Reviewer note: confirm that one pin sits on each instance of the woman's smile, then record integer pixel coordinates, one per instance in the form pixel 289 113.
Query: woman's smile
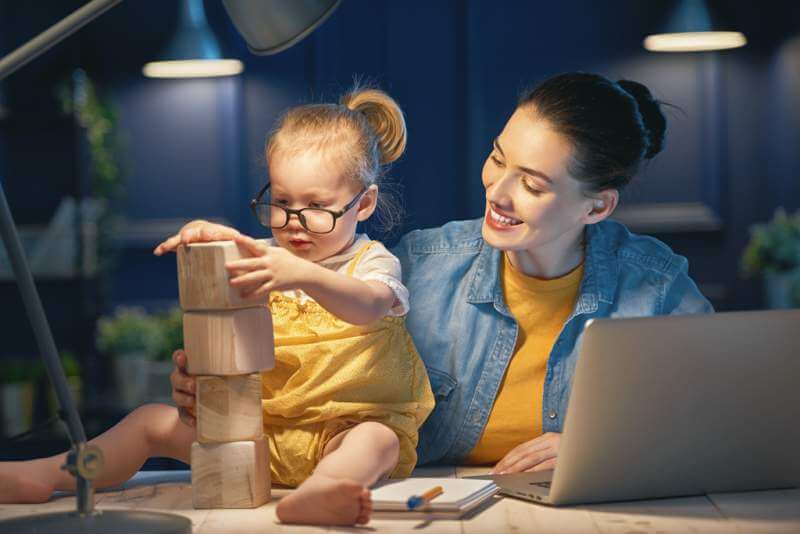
pixel 498 220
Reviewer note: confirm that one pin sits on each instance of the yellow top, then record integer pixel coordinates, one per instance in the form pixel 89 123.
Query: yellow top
pixel 329 376
pixel 541 307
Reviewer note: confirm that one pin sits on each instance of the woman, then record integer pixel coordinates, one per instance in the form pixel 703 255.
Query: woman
pixel 498 304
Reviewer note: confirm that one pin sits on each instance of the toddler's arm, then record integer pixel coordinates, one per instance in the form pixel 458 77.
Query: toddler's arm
pixel 274 269
pixel 353 300
pixel 196 231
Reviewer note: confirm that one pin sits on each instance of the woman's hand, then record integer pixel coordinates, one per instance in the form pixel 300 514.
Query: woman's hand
pixel 183 388
pixel 270 269
pixel 534 455
pixel 198 231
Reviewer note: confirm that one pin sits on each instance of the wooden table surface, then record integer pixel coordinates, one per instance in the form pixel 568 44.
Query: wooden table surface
pixel 754 512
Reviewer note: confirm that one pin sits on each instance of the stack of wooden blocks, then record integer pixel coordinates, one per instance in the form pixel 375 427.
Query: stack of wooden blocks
pixel 228 342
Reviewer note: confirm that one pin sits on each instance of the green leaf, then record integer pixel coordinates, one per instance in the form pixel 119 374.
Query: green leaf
pixel 774 247
pixel 171 323
pixel 129 330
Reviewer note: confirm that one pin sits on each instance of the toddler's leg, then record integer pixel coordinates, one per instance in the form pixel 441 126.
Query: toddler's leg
pixel 151 430
pixel 337 493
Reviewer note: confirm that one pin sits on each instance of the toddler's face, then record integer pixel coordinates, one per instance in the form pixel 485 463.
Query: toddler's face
pixel 310 180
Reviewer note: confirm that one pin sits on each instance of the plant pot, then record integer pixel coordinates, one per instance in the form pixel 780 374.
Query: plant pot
pixel 16 407
pixel 130 373
pixel 778 290
pixel 159 388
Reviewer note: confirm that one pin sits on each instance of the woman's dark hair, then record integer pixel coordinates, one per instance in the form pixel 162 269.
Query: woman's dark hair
pixel 612 126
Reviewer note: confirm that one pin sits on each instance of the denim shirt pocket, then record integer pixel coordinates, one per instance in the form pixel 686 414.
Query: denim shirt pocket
pixel 442 384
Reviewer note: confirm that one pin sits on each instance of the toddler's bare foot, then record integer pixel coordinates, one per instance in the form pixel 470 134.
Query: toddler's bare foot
pixel 18 487
pixel 326 501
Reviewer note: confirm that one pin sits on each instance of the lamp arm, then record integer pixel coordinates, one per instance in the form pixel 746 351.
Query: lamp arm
pixel 53 35
pixel 84 461
pixel 35 311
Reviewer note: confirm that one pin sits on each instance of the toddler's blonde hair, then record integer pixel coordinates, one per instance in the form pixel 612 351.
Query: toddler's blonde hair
pixel 364 133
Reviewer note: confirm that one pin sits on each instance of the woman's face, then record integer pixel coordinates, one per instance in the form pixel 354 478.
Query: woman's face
pixel 309 180
pixel 532 202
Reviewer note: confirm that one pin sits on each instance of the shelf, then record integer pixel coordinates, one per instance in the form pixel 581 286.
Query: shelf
pixel 53 250
pixel 45 168
pixel 27 121
pixel 8 278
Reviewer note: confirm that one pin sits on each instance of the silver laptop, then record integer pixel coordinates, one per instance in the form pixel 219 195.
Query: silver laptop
pixel 677 405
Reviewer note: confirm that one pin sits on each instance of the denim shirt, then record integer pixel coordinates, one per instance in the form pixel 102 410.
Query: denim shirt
pixel 466 334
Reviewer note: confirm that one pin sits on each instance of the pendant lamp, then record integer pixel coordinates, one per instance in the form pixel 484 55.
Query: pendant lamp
pixel 194 52
pixel 693 27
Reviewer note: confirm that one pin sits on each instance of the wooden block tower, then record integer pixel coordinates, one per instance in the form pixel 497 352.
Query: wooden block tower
pixel 228 342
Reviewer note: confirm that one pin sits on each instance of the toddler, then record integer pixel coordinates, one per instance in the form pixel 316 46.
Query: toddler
pixel 349 391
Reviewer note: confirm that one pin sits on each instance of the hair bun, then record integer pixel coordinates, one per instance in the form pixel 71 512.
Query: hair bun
pixel 384 116
pixel 653 118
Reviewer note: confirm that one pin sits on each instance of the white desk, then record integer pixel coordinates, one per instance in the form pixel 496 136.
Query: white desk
pixel 754 512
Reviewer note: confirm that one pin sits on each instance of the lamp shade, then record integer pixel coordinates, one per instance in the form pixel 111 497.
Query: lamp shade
pixel 194 52
pixel 271 26
pixel 693 27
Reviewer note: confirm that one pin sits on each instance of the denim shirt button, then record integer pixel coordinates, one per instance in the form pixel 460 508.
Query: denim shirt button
pixel 552 414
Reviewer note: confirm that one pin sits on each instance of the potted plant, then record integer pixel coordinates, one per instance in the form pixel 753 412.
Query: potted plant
pixel 17 384
pixel 774 253
pixel 158 386
pixel 133 338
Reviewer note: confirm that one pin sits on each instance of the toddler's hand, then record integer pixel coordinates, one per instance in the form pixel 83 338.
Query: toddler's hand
pixel 183 388
pixel 270 269
pixel 198 231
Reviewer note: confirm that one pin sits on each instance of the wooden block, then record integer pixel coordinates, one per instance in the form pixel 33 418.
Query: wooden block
pixel 228 408
pixel 230 475
pixel 232 342
pixel 203 280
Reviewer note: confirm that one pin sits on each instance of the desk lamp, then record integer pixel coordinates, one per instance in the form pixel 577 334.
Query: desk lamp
pixel 268 26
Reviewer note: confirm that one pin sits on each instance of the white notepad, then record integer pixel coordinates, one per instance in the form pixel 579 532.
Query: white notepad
pixel 460 495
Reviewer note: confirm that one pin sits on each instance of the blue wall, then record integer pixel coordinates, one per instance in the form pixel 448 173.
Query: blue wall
pixel 194 148
pixel 457 68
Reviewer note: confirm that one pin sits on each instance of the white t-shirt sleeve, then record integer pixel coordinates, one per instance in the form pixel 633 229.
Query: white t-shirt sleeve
pixel 380 265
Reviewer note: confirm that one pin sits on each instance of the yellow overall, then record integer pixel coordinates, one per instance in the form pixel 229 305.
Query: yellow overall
pixel 329 376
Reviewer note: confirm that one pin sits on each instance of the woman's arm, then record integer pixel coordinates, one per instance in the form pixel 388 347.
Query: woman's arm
pixel 682 296
pixel 183 388
pixel 274 269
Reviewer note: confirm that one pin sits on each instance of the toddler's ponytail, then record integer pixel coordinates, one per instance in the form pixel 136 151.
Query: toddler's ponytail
pixel 384 117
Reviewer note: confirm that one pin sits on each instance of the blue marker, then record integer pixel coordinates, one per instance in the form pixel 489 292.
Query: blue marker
pixel 415 501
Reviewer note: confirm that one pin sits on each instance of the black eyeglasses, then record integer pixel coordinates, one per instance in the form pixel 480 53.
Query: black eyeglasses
pixel 315 220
